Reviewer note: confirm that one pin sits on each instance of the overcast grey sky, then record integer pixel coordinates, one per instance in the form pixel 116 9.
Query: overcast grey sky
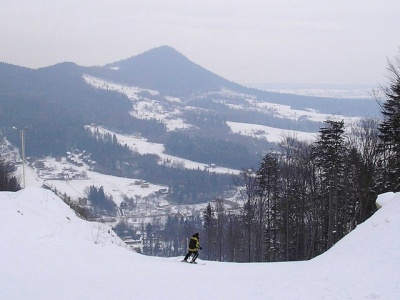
pixel 246 41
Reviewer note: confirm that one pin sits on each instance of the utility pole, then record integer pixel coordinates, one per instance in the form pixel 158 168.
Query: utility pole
pixel 22 135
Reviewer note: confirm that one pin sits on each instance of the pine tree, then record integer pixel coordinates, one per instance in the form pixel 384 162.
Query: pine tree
pixel 220 225
pixel 268 178
pixel 390 129
pixel 329 156
pixel 249 193
pixel 368 175
pixel 209 229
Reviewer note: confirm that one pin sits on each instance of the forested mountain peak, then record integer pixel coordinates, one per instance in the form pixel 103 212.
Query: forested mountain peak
pixel 155 55
pixel 166 70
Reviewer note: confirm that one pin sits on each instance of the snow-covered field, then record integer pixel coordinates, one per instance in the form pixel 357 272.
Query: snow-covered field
pixel 47 252
pixel 273 135
pixel 143 107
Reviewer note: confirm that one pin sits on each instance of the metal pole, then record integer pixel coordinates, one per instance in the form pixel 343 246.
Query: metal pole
pixel 23 154
pixel 22 135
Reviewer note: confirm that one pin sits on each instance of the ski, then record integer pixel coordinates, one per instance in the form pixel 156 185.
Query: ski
pixel 199 263
pixel 194 263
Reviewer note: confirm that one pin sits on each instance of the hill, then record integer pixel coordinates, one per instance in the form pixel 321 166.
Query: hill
pixel 166 70
pixel 49 253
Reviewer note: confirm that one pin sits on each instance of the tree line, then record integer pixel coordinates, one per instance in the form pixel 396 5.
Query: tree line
pixel 302 200
pixel 306 196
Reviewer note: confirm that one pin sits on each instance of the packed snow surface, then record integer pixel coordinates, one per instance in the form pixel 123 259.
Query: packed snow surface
pixel 47 252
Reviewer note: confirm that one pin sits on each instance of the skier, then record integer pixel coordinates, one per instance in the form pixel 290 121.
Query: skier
pixel 194 246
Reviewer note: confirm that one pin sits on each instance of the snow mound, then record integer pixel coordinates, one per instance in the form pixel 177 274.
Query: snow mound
pixel 39 215
pixel 386 199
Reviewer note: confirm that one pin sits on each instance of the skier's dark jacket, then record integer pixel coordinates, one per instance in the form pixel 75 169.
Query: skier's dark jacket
pixel 194 243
